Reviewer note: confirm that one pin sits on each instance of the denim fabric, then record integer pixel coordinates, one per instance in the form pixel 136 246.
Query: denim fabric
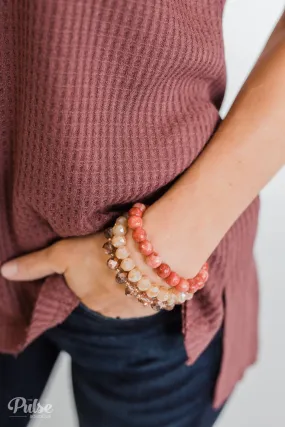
pixel 125 372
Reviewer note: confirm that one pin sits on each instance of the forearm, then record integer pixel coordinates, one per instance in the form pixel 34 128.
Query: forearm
pixel 242 157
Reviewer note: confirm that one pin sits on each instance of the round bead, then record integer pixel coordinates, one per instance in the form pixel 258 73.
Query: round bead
pixel 121 278
pixel 141 206
pixel 145 247
pixel 191 286
pixel 195 284
pixel 122 252
pixel 163 294
pixel 112 263
pixel 163 270
pixel 134 275
pixel 153 291
pixel 180 297
pixel 171 299
pixel 127 264
pixel 173 279
pixel 108 248
pixel 189 296
pixel 108 232
pixel 144 284
pixel 122 220
pixel 139 234
pixel 134 222
pixel 119 230
pixel 153 260
pixel 203 275
pixel 183 286
pixel 118 241
pixel 135 211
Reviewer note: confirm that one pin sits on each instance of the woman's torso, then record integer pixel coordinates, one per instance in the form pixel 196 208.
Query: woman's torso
pixel 104 103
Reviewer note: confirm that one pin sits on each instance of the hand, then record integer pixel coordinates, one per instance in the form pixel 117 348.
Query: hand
pixel 83 263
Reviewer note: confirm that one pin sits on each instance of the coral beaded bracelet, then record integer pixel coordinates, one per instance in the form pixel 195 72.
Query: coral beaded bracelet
pixel 149 294
pixel 176 289
pixel 152 258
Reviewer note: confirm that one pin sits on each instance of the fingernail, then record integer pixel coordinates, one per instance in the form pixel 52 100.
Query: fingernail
pixel 9 270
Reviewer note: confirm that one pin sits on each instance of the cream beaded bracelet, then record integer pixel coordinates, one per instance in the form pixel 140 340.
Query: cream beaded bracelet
pixel 149 294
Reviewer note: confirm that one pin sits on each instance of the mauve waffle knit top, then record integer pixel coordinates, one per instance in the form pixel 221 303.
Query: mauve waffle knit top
pixel 104 103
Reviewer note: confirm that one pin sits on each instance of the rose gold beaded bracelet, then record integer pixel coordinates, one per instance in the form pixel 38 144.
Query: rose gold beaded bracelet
pixel 149 294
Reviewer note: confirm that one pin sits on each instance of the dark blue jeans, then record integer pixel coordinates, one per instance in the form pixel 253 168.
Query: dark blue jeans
pixel 125 372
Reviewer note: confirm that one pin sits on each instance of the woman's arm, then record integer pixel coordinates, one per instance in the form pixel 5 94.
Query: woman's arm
pixel 241 158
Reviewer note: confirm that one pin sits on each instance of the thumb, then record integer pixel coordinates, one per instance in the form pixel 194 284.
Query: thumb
pixel 35 265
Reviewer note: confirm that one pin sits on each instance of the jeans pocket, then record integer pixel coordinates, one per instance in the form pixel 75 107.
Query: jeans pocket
pixel 132 321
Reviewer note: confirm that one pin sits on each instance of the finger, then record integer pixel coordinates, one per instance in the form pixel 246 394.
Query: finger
pixel 33 266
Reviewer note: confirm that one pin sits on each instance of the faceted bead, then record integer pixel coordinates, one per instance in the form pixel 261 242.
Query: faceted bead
pixel 122 220
pixel 183 286
pixel 112 263
pixel 145 247
pixel 144 284
pixel 139 234
pixel 134 275
pixel 163 270
pixel 141 206
pixel 121 278
pixel 153 291
pixel 108 248
pixel 160 304
pixel 173 279
pixel 136 292
pixel 135 211
pixel 144 299
pixel 131 290
pixel 153 260
pixel 134 222
pixel 119 230
pixel 118 241
pixel 162 294
pixel 128 290
pixel 127 264
pixel 122 252
pixel 108 232
pixel 155 305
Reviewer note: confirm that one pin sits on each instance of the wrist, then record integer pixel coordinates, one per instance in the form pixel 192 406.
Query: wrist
pixel 139 260
pixel 181 245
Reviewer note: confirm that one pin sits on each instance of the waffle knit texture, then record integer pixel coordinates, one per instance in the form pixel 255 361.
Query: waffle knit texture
pixel 104 103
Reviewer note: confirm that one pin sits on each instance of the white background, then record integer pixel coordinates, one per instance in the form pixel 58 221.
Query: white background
pixel 259 399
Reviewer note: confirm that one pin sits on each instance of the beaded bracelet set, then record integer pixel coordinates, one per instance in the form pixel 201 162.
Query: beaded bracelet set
pixel 176 290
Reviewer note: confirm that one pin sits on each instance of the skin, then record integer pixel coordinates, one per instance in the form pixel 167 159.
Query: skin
pixel 244 154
